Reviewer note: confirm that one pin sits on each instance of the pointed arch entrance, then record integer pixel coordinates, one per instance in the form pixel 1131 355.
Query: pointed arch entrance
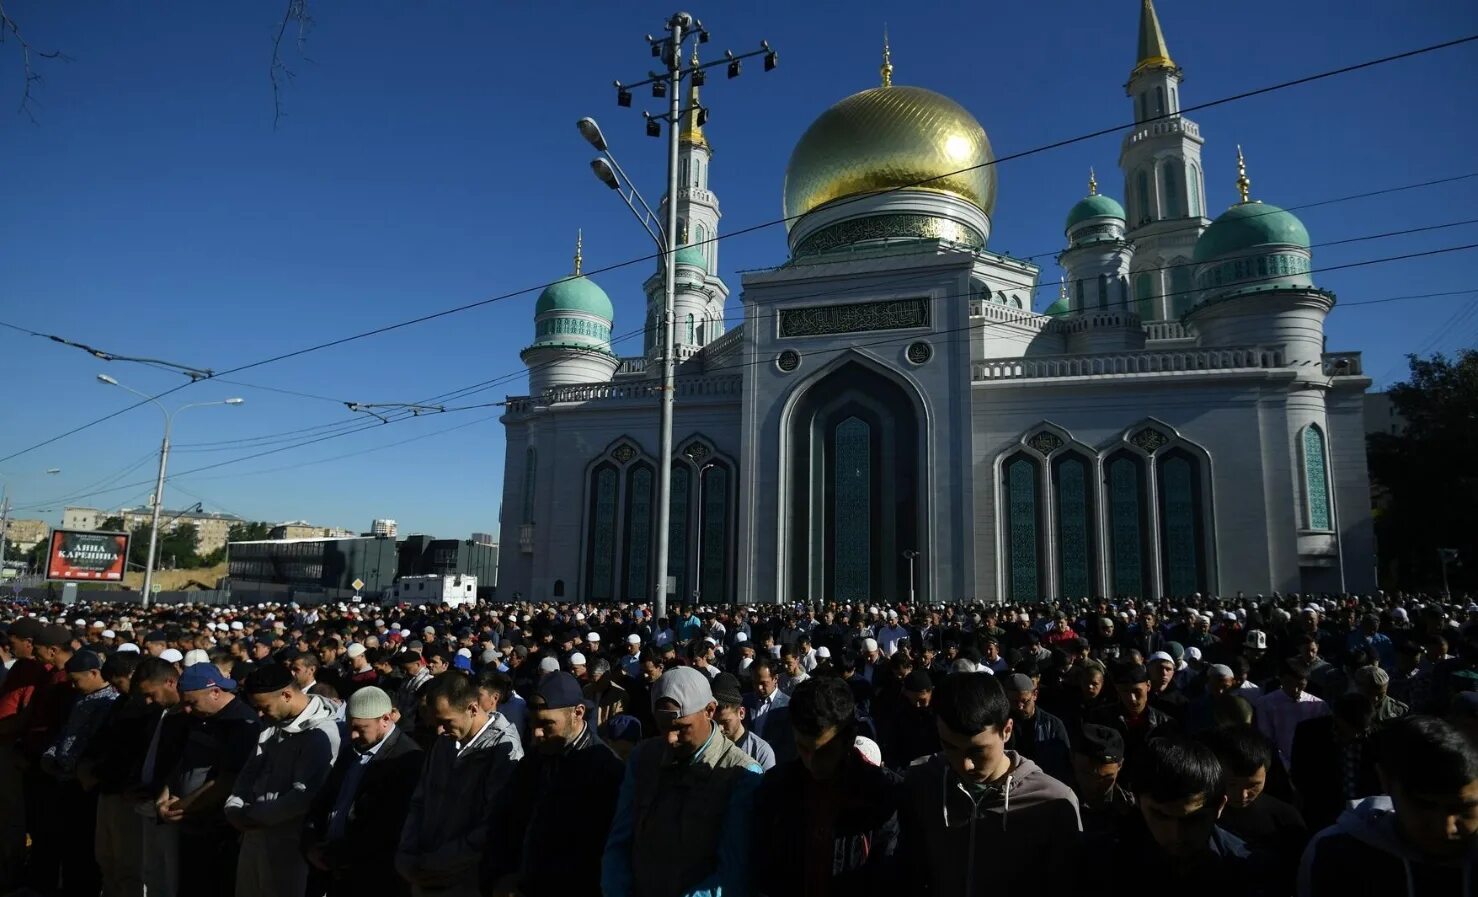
pixel 856 487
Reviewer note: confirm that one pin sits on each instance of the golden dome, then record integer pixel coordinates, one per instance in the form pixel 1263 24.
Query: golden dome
pixel 888 138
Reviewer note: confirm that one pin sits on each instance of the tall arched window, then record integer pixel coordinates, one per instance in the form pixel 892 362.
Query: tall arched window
pixel 1128 519
pixel 677 526
pixel 1159 101
pixel 1142 187
pixel 638 542
pixel 1077 554
pixel 713 537
pixel 600 563
pixel 1316 479
pixel 530 471
pixel 1171 190
pixel 1182 294
pixel 1144 297
pixel 1020 479
pixel 1182 522
pixel 692 331
pixel 1103 291
pixel 1198 206
pixel 1078 289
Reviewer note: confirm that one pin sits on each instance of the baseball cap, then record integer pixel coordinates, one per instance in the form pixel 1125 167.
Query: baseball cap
pixel 557 691
pixel 369 702
pixel 686 687
pixel 205 675
pixel 869 750
pixel 548 665
pixel 1101 743
pixel 726 689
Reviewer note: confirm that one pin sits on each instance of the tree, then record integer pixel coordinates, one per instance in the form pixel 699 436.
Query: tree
pixel 177 547
pixel 1428 475
pixel 112 525
pixel 249 532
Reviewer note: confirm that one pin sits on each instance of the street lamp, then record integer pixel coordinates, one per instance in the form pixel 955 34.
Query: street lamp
pixel 912 556
pixel 668 84
pixel 158 499
pixel 5 513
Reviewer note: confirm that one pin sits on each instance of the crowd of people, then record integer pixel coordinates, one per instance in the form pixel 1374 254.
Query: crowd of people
pixel 1252 745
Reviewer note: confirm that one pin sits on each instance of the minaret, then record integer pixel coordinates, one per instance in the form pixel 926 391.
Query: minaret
pixel 572 332
pixel 1164 188
pixel 1097 261
pixel 700 294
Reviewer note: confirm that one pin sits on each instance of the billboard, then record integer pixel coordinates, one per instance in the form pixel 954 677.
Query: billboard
pixel 85 556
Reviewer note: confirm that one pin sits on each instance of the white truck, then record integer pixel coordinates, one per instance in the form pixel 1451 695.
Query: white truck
pixel 454 590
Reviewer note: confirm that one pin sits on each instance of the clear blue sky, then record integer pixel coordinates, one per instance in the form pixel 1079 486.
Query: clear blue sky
pixel 427 158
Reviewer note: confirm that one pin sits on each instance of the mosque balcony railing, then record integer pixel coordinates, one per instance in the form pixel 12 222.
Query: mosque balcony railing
pixel 724 346
pixel 1173 125
pixel 1000 312
pixel 635 364
pixel 1163 330
pixel 1098 320
pixel 1231 358
pixel 696 387
pixel 1343 364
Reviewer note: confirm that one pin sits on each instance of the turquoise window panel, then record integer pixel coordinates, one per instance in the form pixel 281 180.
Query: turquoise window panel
pixel 1316 479
pixel 853 510
pixel 1075 560
pixel 1021 523
pixel 677 526
pixel 715 536
pixel 638 532
pixel 1179 526
pixel 603 534
pixel 1125 517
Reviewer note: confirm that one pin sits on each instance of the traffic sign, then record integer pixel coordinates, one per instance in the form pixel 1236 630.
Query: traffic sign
pixel 157 587
pixel 357 584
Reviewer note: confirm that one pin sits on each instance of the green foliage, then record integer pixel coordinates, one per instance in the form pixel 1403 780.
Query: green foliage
pixel 1427 474
pixel 249 532
pixel 111 525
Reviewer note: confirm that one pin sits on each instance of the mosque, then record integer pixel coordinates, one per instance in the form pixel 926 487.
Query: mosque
pixel 892 417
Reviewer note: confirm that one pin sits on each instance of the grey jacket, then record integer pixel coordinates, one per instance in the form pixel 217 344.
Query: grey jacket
pixel 292 761
pixel 447 825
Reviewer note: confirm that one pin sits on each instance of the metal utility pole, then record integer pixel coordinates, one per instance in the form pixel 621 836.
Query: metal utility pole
pixel 158 498
pixel 680 26
pixel 5 516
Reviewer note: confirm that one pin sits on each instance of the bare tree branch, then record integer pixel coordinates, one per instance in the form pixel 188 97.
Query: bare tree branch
pixel 9 30
pixel 280 75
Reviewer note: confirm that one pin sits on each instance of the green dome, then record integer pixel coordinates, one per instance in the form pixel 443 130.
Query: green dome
pixel 692 255
pixel 1248 225
pixel 1095 206
pixel 1058 308
pixel 579 294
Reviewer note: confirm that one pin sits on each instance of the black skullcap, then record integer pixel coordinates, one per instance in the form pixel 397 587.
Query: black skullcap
pixel 83 661
pixel 726 689
pixel 267 679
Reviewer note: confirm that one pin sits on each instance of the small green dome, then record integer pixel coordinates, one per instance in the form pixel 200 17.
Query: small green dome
pixel 1058 308
pixel 1248 225
pixel 1095 206
pixel 692 255
pixel 579 294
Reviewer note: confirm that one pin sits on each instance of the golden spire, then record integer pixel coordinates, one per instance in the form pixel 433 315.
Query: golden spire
pixel 1092 182
pixel 579 250
pixel 1153 52
pixel 1244 184
pixel 692 132
pixel 887 69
